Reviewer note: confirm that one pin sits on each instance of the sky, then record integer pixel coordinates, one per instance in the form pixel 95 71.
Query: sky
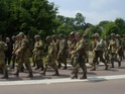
pixel 93 10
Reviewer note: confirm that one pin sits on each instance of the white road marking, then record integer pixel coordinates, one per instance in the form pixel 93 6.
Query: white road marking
pixel 54 81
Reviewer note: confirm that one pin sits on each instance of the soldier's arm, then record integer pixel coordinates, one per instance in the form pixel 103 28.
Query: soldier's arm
pixel 39 45
pixel 80 46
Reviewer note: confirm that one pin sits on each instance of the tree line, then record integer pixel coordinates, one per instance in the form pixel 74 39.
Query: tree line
pixel 41 17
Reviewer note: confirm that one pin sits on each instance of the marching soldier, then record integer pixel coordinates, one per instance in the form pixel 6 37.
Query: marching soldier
pixel 113 47
pixel 98 50
pixel 23 53
pixel 51 58
pixel 78 55
pixel 38 52
pixel 120 47
pixel 61 57
pixel 3 48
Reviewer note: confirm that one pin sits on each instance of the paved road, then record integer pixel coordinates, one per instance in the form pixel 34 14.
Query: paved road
pixel 93 87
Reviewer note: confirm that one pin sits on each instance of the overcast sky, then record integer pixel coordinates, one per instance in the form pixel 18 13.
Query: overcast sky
pixel 94 10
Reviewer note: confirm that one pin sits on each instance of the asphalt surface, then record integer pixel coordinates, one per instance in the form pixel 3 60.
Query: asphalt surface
pixel 94 87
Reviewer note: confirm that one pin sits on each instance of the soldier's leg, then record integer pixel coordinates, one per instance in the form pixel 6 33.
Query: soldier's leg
pixel 64 62
pixel 20 62
pixel 95 60
pixel 120 53
pixel 46 63
pixel 13 61
pixel 40 64
pixel 112 60
pixel 84 69
pixel 103 60
pixel 55 67
pixel 28 65
pixel 75 68
pixel 117 60
pixel 59 59
pixel 34 64
pixel 4 68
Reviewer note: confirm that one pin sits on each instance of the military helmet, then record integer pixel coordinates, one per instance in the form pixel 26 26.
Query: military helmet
pixel 77 34
pixel 112 34
pixel 48 38
pixel 93 35
pixel 72 33
pixel 21 34
pixel 54 36
pixel 13 37
pixel 96 34
pixel 37 36
pixel 117 35
pixel 61 35
pixel 84 35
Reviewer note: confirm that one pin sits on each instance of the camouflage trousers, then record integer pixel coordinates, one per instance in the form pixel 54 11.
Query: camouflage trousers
pixel 98 54
pixel 62 59
pixel 113 58
pixel 79 62
pixel 24 60
pixel 51 61
pixel 3 66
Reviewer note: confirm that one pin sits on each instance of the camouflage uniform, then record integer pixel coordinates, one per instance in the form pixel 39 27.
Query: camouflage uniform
pixel 61 57
pixel 120 47
pixel 113 47
pixel 78 55
pixel 16 45
pixel 98 50
pixel 71 45
pixel 51 58
pixel 38 52
pixel 23 53
pixel 3 47
pixel 106 51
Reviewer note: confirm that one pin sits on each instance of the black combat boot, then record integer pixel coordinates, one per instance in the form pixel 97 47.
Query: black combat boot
pixel 75 76
pixel 119 63
pixel 112 64
pixel 84 76
pixel 59 66
pixel 65 67
pixel 106 67
pixel 30 74
pixel 44 71
pixel 93 69
pixel 56 73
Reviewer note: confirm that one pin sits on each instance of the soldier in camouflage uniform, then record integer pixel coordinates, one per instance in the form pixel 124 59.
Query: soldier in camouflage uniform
pixel 98 50
pixel 38 52
pixel 120 47
pixel 51 58
pixel 123 41
pixel 113 47
pixel 78 55
pixel 23 53
pixel 71 45
pixel 106 51
pixel 15 40
pixel 61 57
pixel 3 48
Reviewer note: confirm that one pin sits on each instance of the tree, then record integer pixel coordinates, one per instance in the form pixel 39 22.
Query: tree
pixel 121 25
pixel 34 16
pixel 79 21
pixel 110 28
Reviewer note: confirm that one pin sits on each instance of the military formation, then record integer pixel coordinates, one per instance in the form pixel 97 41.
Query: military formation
pixel 56 51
